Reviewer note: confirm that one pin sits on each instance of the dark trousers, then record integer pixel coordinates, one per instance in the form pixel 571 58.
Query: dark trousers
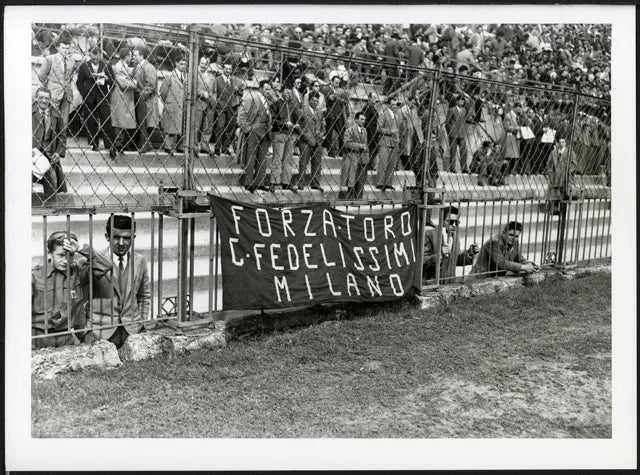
pixel 98 121
pixel 141 119
pixel 225 128
pixel 122 138
pixel 313 154
pixel 455 143
pixel 334 139
pixel 256 148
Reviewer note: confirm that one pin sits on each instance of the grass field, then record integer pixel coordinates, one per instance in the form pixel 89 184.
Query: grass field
pixel 533 362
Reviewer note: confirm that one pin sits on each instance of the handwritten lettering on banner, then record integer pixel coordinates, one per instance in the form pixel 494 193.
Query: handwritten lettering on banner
pixel 310 254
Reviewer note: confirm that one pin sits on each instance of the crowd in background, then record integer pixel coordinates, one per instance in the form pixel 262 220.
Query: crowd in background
pixel 478 127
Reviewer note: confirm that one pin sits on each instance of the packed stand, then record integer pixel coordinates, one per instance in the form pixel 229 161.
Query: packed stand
pixel 276 96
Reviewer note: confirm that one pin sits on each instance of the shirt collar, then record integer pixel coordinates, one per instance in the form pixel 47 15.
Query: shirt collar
pixel 116 260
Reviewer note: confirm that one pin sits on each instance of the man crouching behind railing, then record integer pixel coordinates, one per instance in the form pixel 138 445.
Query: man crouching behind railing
pixel 124 293
pixel 59 291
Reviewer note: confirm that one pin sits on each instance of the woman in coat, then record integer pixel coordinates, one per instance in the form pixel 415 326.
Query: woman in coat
pixel 172 93
pixel 511 145
pixel 123 110
pixel 561 167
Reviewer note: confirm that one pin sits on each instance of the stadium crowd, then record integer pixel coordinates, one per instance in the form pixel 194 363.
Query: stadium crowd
pixel 305 101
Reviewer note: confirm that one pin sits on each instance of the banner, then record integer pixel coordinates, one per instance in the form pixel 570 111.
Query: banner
pixel 310 254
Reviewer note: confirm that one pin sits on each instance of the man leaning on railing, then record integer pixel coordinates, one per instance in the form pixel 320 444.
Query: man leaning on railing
pixel 501 254
pixel 58 294
pixel 122 293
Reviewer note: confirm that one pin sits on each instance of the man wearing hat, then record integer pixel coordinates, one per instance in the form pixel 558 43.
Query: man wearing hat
pixel 59 290
pixel 122 298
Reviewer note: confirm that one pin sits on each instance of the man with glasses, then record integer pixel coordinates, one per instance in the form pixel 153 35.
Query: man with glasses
pixel 501 254
pixel 450 254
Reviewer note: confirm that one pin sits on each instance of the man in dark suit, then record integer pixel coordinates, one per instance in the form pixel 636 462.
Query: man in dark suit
pixel 311 136
pixel 457 130
pixel 254 119
pixel 226 91
pixel 48 135
pixel 336 116
pixel 94 85
pixel 371 124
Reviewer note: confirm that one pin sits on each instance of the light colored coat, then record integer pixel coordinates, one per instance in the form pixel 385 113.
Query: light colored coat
pixel 172 93
pixel 131 308
pixel 511 142
pixel 205 83
pixel 52 75
pixel 253 116
pixel 123 111
pixel 147 77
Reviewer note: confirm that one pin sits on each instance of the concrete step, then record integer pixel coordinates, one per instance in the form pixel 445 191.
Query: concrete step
pixel 141 198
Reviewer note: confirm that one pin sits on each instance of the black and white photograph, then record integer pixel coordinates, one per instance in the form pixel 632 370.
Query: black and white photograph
pixel 320 237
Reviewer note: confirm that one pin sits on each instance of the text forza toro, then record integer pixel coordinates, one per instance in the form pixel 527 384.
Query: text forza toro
pixel 287 217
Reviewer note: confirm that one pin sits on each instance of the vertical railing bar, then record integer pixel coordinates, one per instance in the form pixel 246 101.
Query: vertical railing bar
pixel 131 262
pixel 586 230
pixel 111 220
pixel 593 226
pixel 192 228
pixel 537 226
pixel 217 260
pixel 160 256
pixel 606 252
pixel 179 273
pixel 466 232
pixel 579 210
pixel 70 256
pixel 46 274
pixel 601 233
pixel 210 279
pixel 152 259
pixel 90 318
pixel 423 214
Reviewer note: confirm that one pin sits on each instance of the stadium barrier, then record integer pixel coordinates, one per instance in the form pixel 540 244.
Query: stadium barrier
pixel 170 136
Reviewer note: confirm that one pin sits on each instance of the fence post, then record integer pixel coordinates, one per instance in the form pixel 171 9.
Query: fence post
pixel 192 85
pixel 422 221
pixel 566 191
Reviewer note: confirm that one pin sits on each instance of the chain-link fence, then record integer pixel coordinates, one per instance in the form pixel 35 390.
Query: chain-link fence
pixel 147 120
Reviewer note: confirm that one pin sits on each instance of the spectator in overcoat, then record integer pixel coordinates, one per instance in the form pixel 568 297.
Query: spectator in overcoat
pixel 146 97
pixel 204 109
pixel 94 84
pixel 389 144
pixel 123 111
pixel 172 93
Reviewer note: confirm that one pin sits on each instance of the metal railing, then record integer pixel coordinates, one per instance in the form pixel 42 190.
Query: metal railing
pixel 490 149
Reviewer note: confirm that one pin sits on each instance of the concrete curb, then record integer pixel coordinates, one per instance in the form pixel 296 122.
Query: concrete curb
pixel 48 363
pixel 455 292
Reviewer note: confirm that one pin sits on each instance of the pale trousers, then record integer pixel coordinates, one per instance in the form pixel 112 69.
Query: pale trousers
pixel 282 162
pixel 387 162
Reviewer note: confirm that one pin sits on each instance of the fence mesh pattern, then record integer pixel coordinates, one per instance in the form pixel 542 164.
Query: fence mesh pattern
pixel 123 113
